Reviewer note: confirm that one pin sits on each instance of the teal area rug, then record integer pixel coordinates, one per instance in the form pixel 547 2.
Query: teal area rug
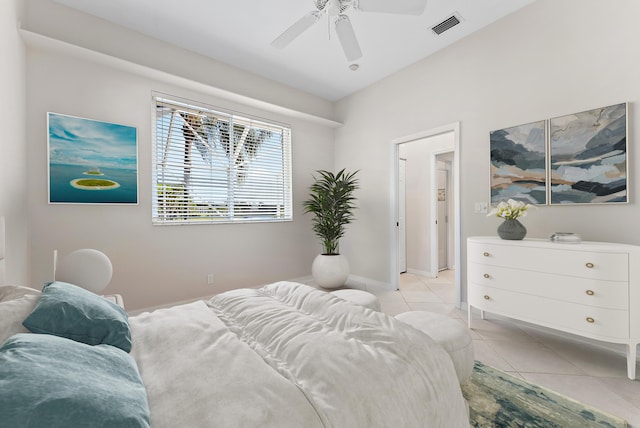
pixel 497 399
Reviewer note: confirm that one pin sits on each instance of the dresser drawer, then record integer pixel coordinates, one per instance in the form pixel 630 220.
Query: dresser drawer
pixel 563 261
pixel 580 319
pixel 584 291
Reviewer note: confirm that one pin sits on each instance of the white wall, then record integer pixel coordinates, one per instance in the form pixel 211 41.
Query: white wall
pixel 156 265
pixel 548 59
pixel 59 22
pixel 13 162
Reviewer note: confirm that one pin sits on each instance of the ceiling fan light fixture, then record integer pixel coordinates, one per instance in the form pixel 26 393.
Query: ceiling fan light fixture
pixel 320 4
pixel 299 27
pixel 347 38
pixel 343 28
pixel 335 8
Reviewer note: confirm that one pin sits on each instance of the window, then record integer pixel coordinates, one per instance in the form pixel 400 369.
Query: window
pixel 215 167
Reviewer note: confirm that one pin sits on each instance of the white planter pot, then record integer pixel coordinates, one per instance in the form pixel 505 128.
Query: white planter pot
pixel 330 271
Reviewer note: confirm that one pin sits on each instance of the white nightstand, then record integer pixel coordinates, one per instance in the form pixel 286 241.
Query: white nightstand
pixel 115 298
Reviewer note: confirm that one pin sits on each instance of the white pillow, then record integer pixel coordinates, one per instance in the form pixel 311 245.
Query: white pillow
pixel 10 292
pixel 16 303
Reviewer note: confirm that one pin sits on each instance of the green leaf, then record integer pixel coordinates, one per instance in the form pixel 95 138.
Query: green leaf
pixel 332 203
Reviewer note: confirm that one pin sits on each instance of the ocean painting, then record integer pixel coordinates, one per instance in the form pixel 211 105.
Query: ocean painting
pixel 589 156
pixel 518 164
pixel 91 162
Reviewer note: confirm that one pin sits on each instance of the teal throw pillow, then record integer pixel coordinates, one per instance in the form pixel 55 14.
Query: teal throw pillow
pixel 52 382
pixel 69 311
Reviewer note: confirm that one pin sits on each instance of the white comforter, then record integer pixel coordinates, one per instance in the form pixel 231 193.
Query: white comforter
pixel 288 355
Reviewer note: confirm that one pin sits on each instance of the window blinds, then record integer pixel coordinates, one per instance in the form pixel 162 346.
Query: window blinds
pixel 217 167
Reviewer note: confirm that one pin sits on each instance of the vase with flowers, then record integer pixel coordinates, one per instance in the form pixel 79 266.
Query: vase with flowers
pixel 511 211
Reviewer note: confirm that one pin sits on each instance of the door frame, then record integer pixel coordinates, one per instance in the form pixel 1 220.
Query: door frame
pixel 435 234
pixel 455 128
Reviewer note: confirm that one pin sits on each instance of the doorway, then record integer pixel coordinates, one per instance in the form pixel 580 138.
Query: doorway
pixel 442 242
pixel 437 154
pixel 402 209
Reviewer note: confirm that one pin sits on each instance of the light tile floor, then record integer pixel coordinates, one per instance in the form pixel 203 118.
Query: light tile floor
pixel 582 371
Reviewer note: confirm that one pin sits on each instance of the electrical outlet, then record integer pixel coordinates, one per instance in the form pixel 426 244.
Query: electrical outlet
pixel 210 279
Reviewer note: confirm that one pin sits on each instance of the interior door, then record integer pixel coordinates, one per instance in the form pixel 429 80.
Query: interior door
pixel 443 219
pixel 402 208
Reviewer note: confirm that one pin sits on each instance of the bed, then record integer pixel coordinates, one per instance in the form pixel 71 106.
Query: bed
pixel 283 355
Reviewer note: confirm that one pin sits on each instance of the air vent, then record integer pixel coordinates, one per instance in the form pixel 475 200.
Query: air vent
pixel 447 24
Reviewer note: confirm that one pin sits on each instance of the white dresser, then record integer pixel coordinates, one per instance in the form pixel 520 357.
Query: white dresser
pixel 591 289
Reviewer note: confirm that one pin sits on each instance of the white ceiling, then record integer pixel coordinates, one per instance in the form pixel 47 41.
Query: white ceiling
pixel 240 32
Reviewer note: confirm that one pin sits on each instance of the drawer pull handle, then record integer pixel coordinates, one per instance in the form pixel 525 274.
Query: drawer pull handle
pixel 589 265
pixel 486 297
pixel 590 292
pixel 486 275
pixel 590 320
pixel 486 254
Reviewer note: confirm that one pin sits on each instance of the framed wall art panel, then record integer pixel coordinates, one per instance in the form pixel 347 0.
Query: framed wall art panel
pixel 588 156
pixel 518 164
pixel 91 162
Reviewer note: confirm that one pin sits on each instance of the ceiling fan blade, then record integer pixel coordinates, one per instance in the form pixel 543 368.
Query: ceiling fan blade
pixel 402 7
pixel 299 27
pixel 347 38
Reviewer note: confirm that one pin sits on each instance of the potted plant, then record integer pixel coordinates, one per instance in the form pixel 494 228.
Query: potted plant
pixel 331 202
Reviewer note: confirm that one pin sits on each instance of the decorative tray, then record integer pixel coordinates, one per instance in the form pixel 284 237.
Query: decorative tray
pixel 565 237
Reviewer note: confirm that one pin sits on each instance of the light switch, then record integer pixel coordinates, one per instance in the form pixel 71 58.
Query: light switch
pixel 481 207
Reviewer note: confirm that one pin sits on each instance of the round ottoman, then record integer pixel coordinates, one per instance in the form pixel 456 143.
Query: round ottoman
pixel 449 333
pixel 359 297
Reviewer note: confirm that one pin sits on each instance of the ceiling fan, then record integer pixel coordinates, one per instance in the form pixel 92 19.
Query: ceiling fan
pixel 335 10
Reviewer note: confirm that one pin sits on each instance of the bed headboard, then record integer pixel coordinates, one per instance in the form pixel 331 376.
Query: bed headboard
pixel 2 274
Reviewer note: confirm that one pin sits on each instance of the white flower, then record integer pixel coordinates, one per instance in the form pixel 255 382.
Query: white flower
pixel 510 210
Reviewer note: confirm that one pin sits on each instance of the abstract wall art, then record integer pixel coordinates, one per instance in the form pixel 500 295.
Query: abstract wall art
pixel 518 164
pixel 579 158
pixel 588 156
pixel 91 162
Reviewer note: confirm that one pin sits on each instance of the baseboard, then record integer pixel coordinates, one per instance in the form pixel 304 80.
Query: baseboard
pixel 354 281
pixel 421 273
pixel 364 282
